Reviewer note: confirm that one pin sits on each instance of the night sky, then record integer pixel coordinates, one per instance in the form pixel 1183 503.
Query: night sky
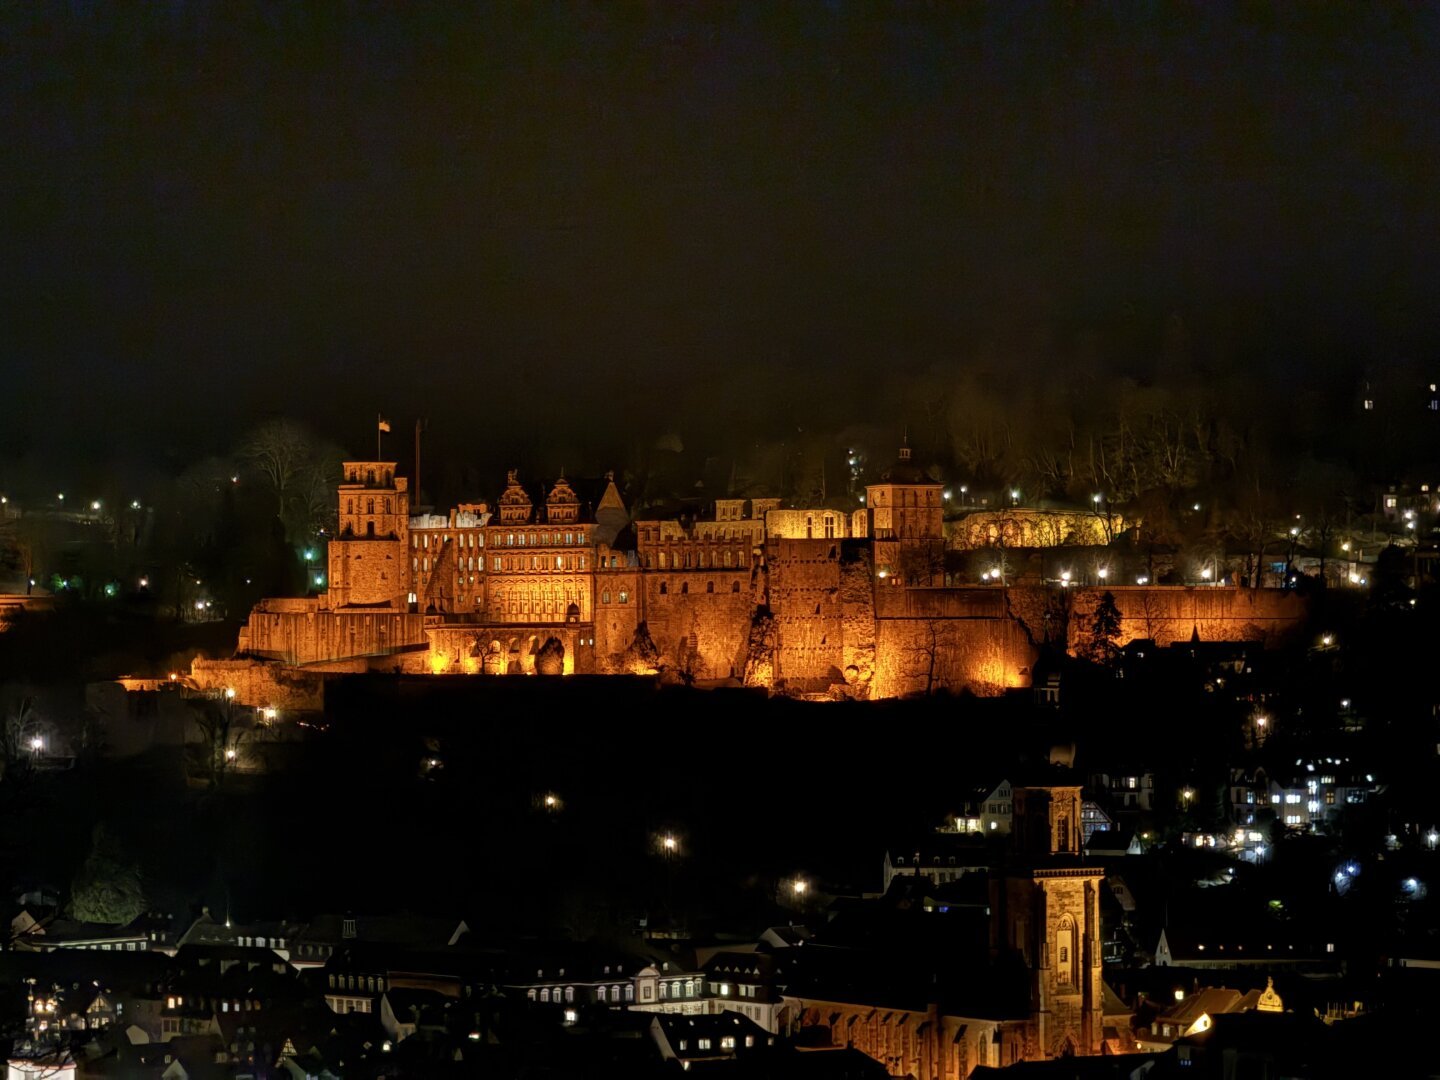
pixel 579 225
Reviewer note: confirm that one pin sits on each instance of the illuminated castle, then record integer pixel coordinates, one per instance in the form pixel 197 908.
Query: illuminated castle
pixel 815 601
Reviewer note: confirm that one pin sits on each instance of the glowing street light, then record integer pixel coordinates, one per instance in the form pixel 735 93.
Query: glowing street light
pixel 1095 499
pixel 1015 495
pixel 1205 573
pixel 230 693
pixel 668 843
pixel 37 744
pixel 1432 838
pixel 230 754
pixel 799 886
pixel 1103 572
pixel 1142 579
pixel 1064 577
pixel 95 504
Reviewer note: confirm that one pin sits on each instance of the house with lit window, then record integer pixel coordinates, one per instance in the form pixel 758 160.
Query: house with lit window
pixel 574 977
pixel 1193 1013
pixel 694 1039
pixel 1310 797
pixel 943 857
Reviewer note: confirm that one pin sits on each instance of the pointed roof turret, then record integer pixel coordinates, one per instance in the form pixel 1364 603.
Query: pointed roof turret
pixel 610 515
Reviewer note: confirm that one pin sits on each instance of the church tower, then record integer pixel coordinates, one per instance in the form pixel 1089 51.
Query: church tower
pixel 1046 912
pixel 368 558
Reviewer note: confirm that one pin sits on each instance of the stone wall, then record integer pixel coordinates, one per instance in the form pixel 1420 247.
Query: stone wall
pixel 495 649
pixel 984 656
pixel 1019 527
pixel 701 631
pixel 1174 613
pixel 368 571
pixel 804 591
pixel 302 632
pixel 260 684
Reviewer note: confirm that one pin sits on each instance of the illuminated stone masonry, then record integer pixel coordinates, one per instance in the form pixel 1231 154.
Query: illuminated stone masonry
pixel 821 601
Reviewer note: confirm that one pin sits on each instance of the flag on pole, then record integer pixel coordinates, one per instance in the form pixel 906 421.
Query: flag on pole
pixel 384 425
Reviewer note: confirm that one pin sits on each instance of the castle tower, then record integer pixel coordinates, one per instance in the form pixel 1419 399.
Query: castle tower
pixel 907 524
pixel 515 505
pixel 1046 911
pixel 368 558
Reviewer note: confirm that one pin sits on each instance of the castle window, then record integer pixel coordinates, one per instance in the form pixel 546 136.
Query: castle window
pixel 624 596
pixel 569 538
pixel 387 505
pixel 605 597
pixel 509 539
pixel 734 586
pixel 559 562
pixel 685 588
pixel 709 586
pixel 664 588
pixel 349 506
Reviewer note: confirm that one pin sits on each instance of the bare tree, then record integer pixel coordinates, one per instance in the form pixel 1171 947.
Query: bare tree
pixel 300 471
pixel 216 719
pixel 926 653
pixel 21 735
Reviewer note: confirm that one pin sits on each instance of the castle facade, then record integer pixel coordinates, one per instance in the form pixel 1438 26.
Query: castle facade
pixel 844 603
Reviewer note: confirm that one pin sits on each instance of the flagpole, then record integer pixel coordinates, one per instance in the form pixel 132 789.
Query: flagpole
pixel 377 436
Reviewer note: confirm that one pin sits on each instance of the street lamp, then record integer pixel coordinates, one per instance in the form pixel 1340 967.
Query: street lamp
pixel 1103 572
pixel 1015 496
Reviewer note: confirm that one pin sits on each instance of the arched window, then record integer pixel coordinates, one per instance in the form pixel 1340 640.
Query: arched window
pixel 734 586
pixel 1067 962
pixel 664 588
pixel 685 588
pixel 709 586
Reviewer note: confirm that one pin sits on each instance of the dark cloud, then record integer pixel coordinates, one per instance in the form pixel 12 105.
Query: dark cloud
pixel 552 224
